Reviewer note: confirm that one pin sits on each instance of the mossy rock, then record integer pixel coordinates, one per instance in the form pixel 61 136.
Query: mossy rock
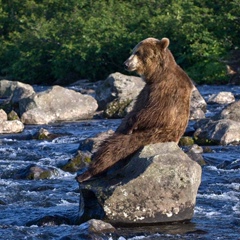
pixel 13 116
pixel 117 108
pixel 35 172
pixel 81 160
pixel 186 141
pixel 44 134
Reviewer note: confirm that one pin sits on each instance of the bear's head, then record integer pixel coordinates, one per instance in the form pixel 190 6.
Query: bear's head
pixel 149 56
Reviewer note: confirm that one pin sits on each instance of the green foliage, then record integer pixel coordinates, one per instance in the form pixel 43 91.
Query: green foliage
pixel 47 40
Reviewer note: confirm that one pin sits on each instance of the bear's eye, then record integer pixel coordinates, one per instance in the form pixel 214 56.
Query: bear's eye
pixel 137 53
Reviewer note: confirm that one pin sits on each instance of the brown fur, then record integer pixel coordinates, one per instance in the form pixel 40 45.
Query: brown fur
pixel 161 111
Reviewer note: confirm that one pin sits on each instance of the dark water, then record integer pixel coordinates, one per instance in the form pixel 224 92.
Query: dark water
pixel 217 212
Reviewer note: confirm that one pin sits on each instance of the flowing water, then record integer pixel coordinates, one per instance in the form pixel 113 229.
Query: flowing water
pixel 217 211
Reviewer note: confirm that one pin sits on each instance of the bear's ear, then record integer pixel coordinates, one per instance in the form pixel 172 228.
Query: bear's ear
pixel 164 43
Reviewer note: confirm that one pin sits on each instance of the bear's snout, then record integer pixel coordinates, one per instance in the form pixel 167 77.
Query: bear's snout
pixel 126 63
pixel 131 63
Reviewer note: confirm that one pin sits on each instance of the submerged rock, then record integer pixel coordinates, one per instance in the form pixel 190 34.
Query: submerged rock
pixel 79 161
pixel 44 134
pixel 158 184
pixel 95 226
pixel 33 172
pixel 93 230
pixel 53 220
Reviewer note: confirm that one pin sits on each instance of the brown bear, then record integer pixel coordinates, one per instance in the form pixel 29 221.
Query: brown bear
pixel 161 110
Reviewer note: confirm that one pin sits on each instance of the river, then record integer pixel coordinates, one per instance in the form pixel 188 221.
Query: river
pixel 217 211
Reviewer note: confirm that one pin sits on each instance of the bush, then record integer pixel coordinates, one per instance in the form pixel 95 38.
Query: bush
pixel 47 40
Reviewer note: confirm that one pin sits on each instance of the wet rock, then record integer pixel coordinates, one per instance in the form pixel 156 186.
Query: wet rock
pixel 81 160
pixel 53 220
pixel 86 148
pixel 35 172
pixel 232 111
pixel 210 132
pixel 56 104
pixel 195 153
pixel 117 92
pixel 44 134
pixel 198 105
pixel 93 230
pixel 14 126
pixel 222 98
pixel 157 185
pixel 98 226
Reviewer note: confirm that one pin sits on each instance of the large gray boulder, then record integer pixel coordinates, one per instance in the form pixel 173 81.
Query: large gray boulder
pixel 15 90
pixel 159 184
pixel 117 92
pixel 56 104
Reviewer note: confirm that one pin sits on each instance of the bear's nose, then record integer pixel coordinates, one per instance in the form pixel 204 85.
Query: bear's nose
pixel 126 63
